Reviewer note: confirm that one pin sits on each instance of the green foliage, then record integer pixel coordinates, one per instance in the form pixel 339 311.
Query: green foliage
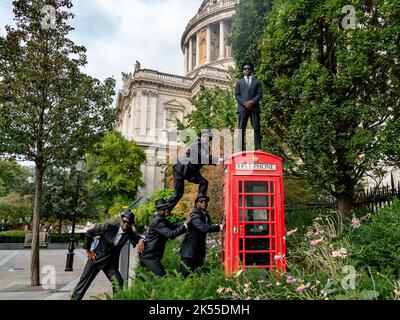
pixel 16 209
pixel 3 190
pixel 50 112
pixel 13 177
pixel 113 169
pixel 376 242
pixel 247 31
pixel 145 212
pixel 198 286
pixel 328 90
pixel 214 109
pixel 59 188
pixel 320 263
pixel 12 236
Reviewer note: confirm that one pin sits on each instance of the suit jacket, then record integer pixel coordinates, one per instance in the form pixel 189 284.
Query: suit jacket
pixel 196 156
pixel 194 244
pixel 159 231
pixel 243 94
pixel 106 251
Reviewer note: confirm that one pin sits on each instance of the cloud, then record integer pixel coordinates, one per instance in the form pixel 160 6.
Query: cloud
pixel 117 33
pixel 130 30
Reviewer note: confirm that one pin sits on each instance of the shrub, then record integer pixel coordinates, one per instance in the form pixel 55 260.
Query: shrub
pixel 12 236
pixel 198 286
pixel 376 242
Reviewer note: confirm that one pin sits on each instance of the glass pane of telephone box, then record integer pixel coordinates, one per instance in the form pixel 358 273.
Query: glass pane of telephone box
pixel 257 229
pixel 255 244
pixel 257 259
pixel 253 215
pixel 256 186
pixel 256 201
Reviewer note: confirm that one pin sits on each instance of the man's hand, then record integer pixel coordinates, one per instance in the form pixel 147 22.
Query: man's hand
pixel 249 105
pixel 140 246
pixel 189 219
pixel 91 255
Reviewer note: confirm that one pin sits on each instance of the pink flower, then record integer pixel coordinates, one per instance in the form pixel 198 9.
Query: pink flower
pixel 315 242
pixel 355 223
pixel 238 273
pixel 303 287
pixel 341 253
pixel 290 232
pixel 291 279
pixel 279 257
pixel 310 252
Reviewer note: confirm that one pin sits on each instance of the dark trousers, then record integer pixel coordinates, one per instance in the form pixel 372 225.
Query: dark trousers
pixel 179 186
pixel 90 272
pixel 154 265
pixel 255 122
pixel 188 265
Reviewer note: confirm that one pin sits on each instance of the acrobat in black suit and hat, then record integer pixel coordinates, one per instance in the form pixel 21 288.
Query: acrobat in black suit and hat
pixel 188 168
pixel 112 238
pixel 159 231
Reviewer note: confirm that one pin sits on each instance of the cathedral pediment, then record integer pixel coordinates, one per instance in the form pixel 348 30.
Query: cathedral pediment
pixel 174 104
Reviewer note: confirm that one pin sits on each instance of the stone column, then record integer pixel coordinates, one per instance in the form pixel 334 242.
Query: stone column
pixel 190 66
pixel 143 111
pixel 133 116
pixel 138 102
pixel 153 112
pixel 208 45
pixel 221 40
pixel 197 49
pixel 126 122
pixel 185 59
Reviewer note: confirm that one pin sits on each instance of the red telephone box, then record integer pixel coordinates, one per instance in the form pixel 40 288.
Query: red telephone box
pixel 254 215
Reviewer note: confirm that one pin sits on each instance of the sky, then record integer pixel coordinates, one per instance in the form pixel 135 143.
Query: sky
pixel 116 33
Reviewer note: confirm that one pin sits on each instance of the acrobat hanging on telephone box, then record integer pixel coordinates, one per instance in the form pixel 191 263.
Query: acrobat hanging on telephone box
pixel 253 210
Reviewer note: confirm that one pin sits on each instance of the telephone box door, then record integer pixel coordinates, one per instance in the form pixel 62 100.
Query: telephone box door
pixel 256 221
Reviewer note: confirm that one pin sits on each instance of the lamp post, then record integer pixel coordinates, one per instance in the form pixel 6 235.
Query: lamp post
pixel 71 247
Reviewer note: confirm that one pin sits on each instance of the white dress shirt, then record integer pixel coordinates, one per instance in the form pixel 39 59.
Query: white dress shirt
pixel 118 236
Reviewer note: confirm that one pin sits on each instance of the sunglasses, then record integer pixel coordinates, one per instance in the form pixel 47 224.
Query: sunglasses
pixel 126 221
pixel 203 201
pixel 246 68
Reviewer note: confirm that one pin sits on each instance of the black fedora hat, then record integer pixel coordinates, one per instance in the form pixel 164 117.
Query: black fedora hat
pixel 201 196
pixel 129 215
pixel 161 203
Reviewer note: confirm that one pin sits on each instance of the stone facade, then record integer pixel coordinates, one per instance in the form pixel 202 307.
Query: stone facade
pixel 150 101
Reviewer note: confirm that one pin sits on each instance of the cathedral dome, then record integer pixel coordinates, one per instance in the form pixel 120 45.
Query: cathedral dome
pixel 204 40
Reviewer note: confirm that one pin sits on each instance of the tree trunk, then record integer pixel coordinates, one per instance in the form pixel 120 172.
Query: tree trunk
pixel 345 202
pixel 60 226
pixel 35 278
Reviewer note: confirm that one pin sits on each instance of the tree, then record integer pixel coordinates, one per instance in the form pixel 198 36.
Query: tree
pixel 16 209
pixel 332 92
pixel 50 112
pixel 113 170
pixel 214 109
pixel 59 187
pixel 14 177
pixel 247 31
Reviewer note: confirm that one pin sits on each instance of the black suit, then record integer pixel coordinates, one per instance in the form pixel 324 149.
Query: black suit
pixel 193 248
pixel 159 231
pixel 244 93
pixel 188 168
pixel 107 256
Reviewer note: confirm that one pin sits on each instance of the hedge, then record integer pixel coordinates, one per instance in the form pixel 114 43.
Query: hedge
pixel 18 236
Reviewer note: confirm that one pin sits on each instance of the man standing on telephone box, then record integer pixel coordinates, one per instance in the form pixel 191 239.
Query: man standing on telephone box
pixel 248 93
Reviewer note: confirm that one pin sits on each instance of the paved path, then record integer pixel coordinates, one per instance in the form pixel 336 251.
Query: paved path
pixel 15 275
